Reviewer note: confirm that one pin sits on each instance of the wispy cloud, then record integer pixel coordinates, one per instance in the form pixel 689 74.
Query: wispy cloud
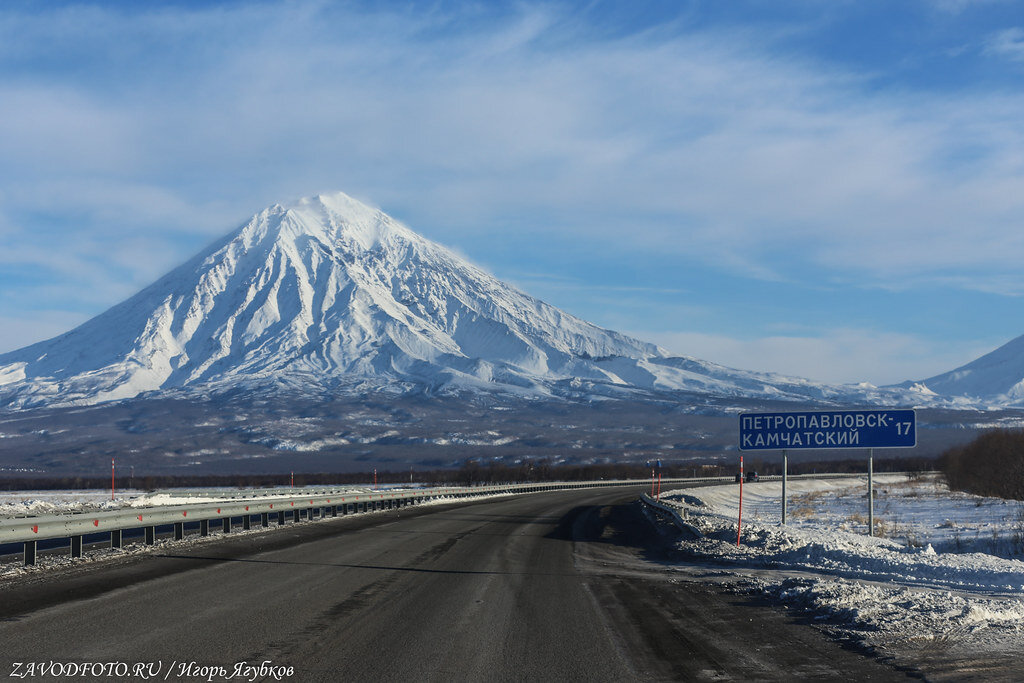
pixel 700 142
pixel 833 356
pixel 133 129
pixel 1008 43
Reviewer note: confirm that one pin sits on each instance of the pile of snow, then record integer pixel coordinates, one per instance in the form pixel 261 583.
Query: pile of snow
pixel 22 503
pixel 910 585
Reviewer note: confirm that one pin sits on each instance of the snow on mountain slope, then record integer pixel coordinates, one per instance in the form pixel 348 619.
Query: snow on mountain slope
pixel 995 378
pixel 328 292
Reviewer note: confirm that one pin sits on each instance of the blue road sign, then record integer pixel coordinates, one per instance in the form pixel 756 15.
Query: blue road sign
pixel 880 428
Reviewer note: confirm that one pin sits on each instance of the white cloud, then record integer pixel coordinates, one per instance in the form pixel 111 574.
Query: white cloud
pixel 833 356
pixel 158 129
pixel 1008 43
pixel 960 6
pixel 707 144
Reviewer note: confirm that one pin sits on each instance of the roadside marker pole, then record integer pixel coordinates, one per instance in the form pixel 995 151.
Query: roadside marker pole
pixel 871 492
pixel 111 479
pixel 739 521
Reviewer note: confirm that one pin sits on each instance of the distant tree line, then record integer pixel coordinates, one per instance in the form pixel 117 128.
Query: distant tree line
pixel 471 472
pixel 991 465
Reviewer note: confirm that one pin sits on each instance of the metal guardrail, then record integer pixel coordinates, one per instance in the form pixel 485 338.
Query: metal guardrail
pixel 671 513
pixel 29 530
pixel 74 526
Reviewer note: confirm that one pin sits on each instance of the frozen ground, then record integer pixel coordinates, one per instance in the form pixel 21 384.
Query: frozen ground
pixel 941 580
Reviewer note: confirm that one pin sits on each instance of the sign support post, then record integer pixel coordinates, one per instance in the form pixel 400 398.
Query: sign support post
pixel 829 429
pixel 739 519
pixel 871 492
pixel 785 473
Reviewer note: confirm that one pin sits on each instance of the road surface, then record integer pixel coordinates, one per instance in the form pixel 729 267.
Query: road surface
pixel 560 586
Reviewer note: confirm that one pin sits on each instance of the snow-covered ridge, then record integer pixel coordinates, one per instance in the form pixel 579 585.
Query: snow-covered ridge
pixel 997 378
pixel 326 294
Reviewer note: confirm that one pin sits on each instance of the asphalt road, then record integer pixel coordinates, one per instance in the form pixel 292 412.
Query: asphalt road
pixel 562 586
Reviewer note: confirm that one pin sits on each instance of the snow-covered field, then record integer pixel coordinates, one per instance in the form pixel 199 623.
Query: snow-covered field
pixel 18 503
pixel 49 502
pixel 943 569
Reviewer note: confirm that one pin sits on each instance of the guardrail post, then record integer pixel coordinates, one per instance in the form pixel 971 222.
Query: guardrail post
pixel 116 539
pixel 334 511
pixel 247 522
pixel 30 553
pixel 226 525
pixel 280 518
pixel 204 527
pixel 76 546
pixel 150 535
pixel 179 531
pixel 265 519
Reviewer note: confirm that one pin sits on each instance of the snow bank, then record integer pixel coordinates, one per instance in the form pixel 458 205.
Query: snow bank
pixel 897 587
pixel 19 503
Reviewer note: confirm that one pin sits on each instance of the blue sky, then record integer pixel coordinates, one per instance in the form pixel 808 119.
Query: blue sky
pixel 826 189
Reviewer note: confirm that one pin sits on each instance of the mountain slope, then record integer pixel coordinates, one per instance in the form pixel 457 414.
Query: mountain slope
pixel 995 378
pixel 328 294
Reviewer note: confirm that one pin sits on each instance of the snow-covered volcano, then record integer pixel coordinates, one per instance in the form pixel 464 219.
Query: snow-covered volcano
pixel 328 293
pixel 997 378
